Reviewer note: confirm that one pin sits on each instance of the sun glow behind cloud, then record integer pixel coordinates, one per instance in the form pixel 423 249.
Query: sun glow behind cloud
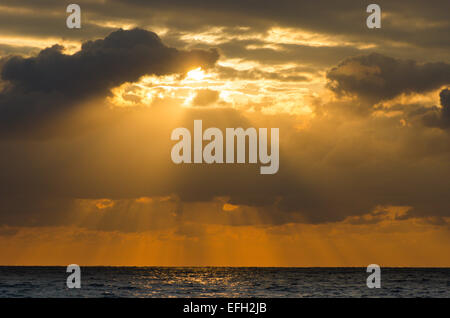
pixel 245 92
pixel 197 74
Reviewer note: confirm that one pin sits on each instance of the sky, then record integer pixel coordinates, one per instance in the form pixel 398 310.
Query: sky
pixel 86 117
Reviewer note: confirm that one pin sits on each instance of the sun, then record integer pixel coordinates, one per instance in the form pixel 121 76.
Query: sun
pixel 196 74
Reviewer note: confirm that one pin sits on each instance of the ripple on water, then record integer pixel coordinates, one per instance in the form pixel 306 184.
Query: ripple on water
pixel 223 282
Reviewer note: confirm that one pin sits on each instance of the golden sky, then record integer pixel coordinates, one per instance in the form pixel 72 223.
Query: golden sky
pixel 86 117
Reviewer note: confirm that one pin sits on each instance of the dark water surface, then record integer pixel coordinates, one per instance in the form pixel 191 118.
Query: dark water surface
pixel 223 282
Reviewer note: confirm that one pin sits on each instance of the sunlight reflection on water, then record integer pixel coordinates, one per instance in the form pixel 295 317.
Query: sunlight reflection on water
pixel 222 282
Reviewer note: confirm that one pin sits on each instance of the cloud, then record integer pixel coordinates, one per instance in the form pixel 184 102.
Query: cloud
pixel 445 103
pixel 205 97
pixel 291 74
pixel 331 168
pixel 439 117
pixel 320 17
pixel 179 18
pixel 376 77
pixel 329 171
pixel 6 50
pixel 40 87
pixel 8 231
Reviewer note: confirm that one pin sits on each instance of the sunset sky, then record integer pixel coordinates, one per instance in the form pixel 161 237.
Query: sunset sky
pixel 86 117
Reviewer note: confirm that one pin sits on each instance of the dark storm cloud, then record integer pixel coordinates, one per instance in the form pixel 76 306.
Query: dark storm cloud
pixel 419 27
pixel 377 77
pixel 47 25
pixel 439 117
pixel 339 18
pixel 445 103
pixel 46 85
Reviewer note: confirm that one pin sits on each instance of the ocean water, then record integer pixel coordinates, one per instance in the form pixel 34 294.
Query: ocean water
pixel 223 282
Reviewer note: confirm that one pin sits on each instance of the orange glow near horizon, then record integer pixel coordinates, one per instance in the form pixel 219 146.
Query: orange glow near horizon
pixel 225 246
pixel 188 244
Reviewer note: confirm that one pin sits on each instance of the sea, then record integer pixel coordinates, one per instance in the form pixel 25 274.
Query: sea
pixel 28 281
